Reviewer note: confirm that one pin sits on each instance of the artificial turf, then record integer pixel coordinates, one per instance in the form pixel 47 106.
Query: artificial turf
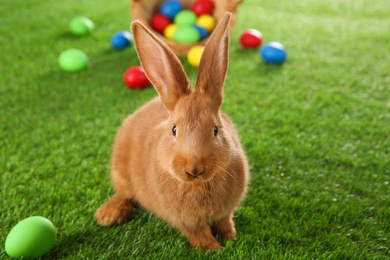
pixel 316 131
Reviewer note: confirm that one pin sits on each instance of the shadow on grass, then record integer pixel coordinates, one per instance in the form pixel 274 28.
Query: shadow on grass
pixel 244 61
pixel 72 244
pixel 69 36
pixel 93 239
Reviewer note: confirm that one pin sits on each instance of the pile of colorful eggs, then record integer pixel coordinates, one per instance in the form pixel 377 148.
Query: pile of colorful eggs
pixel 185 26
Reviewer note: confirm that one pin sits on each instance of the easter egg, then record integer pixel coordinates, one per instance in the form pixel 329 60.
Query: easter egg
pixel 81 26
pixel 186 35
pixel 159 22
pixel 170 8
pixel 73 60
pixel 185 18
pixel 251 39
pixel 170 31
pixel 273 53
pixel 206 21
pixel 194 55
pixel 121 40
pixel 203 7
pixel 30 238
pixel 135 78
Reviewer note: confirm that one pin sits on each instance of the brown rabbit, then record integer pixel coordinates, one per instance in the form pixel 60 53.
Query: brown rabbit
pixel 179 156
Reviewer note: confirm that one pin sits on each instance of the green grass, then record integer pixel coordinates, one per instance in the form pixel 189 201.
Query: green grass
pixel 316 131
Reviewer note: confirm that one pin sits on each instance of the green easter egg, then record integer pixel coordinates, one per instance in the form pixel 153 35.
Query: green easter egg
pixel 185 18
pixel 81 26
pixel 30 238
pixel 73 60
pixel 186 35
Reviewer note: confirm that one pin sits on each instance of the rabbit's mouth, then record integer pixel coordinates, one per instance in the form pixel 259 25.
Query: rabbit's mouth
pixel 203 175
pixel 184 175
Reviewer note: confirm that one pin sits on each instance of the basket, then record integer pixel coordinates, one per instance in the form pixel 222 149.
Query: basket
pixel 143 10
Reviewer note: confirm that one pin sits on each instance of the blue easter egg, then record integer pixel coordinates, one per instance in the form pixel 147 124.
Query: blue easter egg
pixel 202 31
pixel 121 40
pixel 170 9
pixel 273 53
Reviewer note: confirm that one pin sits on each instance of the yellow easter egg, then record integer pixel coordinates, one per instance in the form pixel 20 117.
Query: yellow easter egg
pixel 206 21
pixel 170 30
pixel 194 55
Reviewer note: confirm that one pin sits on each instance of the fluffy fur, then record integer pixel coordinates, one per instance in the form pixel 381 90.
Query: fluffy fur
pixel 193 180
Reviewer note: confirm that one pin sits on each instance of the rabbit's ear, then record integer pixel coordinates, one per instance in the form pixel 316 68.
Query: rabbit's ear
pixel 161 66
pixel 214 62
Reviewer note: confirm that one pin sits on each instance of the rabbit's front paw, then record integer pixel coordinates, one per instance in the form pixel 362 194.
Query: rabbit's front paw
pixel 225 228
pixel 202 238
pixel 115 211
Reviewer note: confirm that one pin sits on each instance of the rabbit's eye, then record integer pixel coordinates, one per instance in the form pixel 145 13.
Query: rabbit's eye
pixel 174 130
pixel 215 131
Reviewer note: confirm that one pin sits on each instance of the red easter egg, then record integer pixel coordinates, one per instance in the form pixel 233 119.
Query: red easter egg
pixel 135 77
pixel 159 22
pixel 251 39
pixel 203 7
